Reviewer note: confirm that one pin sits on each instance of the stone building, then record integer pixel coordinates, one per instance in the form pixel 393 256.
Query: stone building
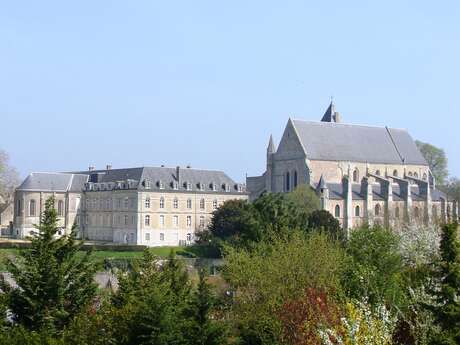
pixel 362 174
pixel 153 206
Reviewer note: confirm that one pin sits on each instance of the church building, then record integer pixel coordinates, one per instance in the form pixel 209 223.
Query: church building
pixel 362 174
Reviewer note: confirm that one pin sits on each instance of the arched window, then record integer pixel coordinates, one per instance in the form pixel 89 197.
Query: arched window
pixel 337 211
pixel 147 220
pixel 395 173
pixel 176 203
pixel 32 208
pixel 189 203
pixel 295 178
pixel 425 177
pixel 162 202
pixel 378 209
pixel 416 212
pixel 202 204
pixel 288 181
pixel 377 172
pixel 397 212
pixel 356 175
pixel 60 209
pixel 410 173
pixel 357 212
pixel 18 207
pixel 189 237
pixel 415 175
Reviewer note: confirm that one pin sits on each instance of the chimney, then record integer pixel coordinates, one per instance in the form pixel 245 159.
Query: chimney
pixel 178 173
pixel 337 117
pixel 108 167
pixel 91 168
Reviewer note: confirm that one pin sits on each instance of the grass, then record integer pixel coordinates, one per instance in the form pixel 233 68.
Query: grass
pixel 99 256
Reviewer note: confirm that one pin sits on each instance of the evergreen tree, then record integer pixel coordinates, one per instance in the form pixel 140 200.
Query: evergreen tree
pixel 204 330
pixel 54 283
pixel 448 311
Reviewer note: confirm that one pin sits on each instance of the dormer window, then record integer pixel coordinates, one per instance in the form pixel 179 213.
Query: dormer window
pixel 213 186
pixel 146 184
pixel 201 186
pixel 226 187
pixel 188 185
pixel 160 184
pixel 175 185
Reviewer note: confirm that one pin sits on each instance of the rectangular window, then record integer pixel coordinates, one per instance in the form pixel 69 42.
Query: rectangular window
pixel 126 220
pixel 201 221
pixel 162 221
pixel 147 220
pixel 162 202
pixel 147 203
pixel 175 221
pixel 162 236
pixel 189 203
pixel 147 236
pixel 126 203
pixel 189 221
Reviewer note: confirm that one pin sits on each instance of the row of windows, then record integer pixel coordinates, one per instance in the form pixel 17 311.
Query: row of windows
pixel 126 220
pixel 378 211
pixel 33 208
pixel 130 203
pixel 162 237
pixel 175 203
pixel 395 173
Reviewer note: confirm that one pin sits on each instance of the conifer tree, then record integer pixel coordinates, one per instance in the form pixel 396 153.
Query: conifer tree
pixel 448 297
pixel 204 330
pixel 54 282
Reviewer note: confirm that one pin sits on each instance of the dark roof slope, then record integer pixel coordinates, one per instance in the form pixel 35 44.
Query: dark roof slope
pixel 53 182
pixel 344 142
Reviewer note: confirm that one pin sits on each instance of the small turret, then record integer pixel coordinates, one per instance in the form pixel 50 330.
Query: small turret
pixel 331 115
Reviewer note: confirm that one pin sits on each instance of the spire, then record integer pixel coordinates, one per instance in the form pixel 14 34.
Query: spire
pixel 321 183
pixel 331 115
pixel 271 145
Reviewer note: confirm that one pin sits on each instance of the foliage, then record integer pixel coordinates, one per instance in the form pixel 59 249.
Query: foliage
pixel 362 325
pixel 373 269
pixel 452 188
pixel 304 198
pixel 9 178
pixel 436 159
pixel 447 313
pixel 323 220
pixel 301 318
pixel 53 283
pixel 275 272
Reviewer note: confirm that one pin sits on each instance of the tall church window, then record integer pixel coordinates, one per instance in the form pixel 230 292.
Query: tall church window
pixel 415 175
pixel 32 208
pixel 295 178
pixel 397 212
pixel 435 212
pixel 425 177
pixel 416 212
pixel 288 181
pixel 357 212
pixel 356 175
pixel 18 207
pixel 378 209
pixel 377 172
pixel 60 209
pixel 337 211
pixel 395 173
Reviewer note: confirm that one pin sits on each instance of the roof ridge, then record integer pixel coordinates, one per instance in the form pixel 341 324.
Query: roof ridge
pixel 348 124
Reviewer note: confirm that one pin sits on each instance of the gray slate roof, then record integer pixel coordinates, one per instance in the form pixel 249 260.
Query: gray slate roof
pixel 356 143
pixel 54 182
pixel 75 181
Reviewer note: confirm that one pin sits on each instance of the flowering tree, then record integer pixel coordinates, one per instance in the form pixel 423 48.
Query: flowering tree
pixel 361 326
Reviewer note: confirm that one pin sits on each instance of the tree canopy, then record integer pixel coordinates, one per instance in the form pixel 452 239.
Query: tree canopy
pixel 436 159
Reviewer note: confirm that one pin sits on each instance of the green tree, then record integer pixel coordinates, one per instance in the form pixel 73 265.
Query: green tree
pixel 374 266
pixel 205 329
pixel 324 221
pixel 436 159
pixel 448 296
pixel 304 198
pixel 275 272
pixel 54 282
pixel 152 303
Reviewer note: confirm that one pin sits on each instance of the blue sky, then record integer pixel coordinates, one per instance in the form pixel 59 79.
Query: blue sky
pixel 204 83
